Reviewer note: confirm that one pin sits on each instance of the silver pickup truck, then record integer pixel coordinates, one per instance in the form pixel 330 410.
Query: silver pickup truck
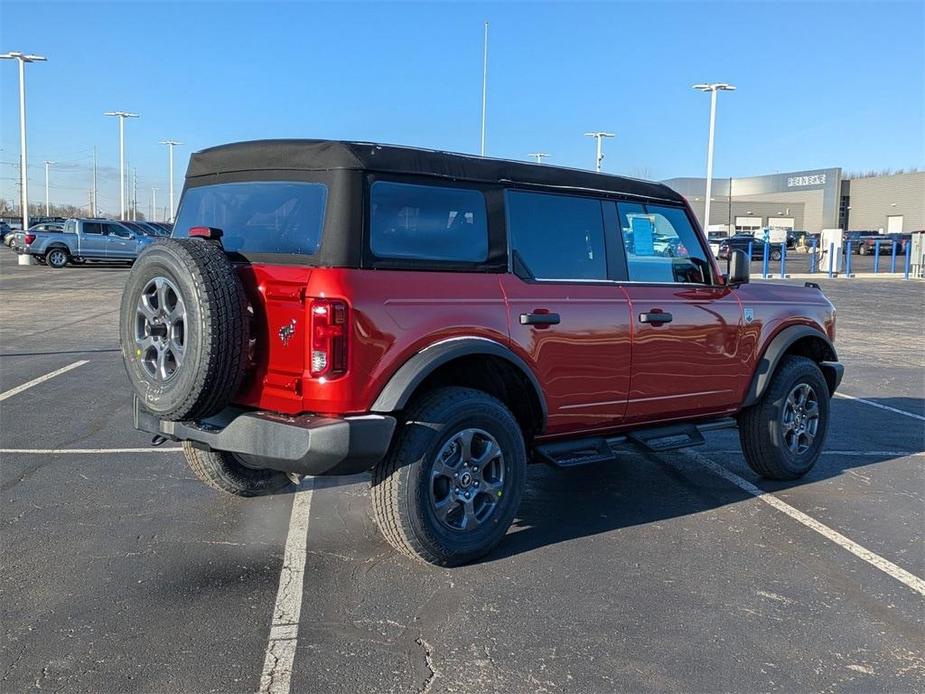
pixel 86 239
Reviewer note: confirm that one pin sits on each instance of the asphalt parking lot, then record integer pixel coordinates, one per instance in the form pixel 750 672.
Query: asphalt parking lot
pixel 121 572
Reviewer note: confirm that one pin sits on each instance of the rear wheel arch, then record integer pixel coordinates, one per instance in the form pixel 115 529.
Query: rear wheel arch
pixel 477 363
pixel 796 340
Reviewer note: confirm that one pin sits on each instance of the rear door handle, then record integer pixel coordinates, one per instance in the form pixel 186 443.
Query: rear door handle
pixel 539 319
pixel 655 317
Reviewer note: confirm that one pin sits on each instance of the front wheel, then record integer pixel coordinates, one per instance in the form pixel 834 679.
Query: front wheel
pixel 449 488
pixel 775 255
pixel 783 434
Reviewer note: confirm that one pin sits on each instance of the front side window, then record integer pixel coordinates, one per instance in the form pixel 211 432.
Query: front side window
pixel 420 222
pixel 661 245
pixel 557 237
pixel 258 216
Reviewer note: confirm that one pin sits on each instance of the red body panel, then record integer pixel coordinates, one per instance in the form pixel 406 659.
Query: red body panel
pixel 600 368
pixel 694 365
pixel 583 363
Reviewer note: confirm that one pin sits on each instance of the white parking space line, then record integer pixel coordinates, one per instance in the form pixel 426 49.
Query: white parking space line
pixel 882 407
pixel 869 454
pixel 284 630
pixel 70 451
pixel 41 379
pixel 888 567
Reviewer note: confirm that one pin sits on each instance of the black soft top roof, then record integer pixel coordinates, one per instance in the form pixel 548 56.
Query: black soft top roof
pixel 327 155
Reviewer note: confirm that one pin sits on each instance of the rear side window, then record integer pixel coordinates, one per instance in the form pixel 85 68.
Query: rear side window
pixel 557 236
pixel 93 228
pixel 258 217
pixel 421 222
pixel 662 246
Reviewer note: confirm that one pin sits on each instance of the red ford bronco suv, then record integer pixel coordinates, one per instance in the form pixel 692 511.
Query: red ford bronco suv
pixel 328 308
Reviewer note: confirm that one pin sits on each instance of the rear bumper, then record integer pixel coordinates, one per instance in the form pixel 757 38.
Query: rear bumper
pixel 304 444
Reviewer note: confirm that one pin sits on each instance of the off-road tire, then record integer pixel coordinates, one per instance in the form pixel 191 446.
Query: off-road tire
pixel 761 429
pixel 401 482
pixel 223 472
pixel 57 257
pixel 216 329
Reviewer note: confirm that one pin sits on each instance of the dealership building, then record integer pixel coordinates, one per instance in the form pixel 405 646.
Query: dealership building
pixel 811 201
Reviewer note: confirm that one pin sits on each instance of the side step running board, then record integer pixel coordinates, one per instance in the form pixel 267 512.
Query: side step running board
pixel 599 449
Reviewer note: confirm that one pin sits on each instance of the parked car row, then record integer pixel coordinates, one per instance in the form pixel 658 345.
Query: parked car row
pixel 78 240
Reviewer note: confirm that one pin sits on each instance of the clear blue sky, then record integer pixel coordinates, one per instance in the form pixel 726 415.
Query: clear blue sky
pixel 819 84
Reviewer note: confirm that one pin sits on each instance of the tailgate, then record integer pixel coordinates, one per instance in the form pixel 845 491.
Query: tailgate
pixel 279 325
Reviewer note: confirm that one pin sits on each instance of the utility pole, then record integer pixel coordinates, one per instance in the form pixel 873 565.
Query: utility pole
pixel 121 115
pixel 170 145
pixel 134 194
pixel 599 136
pixel 23 58
pixel 484 86
pixel 539 156
pixel 47 206
pixel 94 201
pixel 713 88
pixel 154 204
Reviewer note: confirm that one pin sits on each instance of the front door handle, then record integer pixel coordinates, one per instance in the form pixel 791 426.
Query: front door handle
pixel 655 317
pixel 539 319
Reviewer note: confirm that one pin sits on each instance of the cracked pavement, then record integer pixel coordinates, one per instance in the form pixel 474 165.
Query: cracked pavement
pixel 120 572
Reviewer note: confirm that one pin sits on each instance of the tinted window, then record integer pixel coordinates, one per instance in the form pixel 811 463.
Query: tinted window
pixel 92 228
pixel 557 236
pixel 428 222
pixel 264 217
pixel 118 230
pixel 661 245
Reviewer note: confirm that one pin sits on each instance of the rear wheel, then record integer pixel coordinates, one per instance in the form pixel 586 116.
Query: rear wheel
pixel 775 255
pixel 56 258
pixel 226 472
pixel 783 434
pixel 448 490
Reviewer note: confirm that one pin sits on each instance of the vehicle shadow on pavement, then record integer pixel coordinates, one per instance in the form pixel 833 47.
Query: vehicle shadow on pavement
pixel 640 488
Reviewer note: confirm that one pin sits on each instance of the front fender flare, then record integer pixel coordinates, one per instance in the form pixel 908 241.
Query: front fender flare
pixel 776 350
pixel 401 386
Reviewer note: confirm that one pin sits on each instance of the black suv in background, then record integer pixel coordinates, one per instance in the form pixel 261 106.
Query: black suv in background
pixel 740 242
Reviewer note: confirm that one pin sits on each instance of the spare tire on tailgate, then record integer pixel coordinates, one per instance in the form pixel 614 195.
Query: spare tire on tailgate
pixel 183 329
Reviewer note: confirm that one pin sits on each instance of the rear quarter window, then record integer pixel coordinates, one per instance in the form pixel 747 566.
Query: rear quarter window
pixel 422 222
pixel 281 217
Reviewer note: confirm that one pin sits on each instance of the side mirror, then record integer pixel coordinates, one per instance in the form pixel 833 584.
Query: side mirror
pixel 738 268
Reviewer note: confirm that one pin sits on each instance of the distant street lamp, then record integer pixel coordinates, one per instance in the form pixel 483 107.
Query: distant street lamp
pixel 23 58
pixel 599 136
pixel 170 145
pixel 539 156
pixel 47 209
pixel 121 115
pixel 712 88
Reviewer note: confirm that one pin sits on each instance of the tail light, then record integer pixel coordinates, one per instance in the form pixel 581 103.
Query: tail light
pixel 329 338
pixel 28 238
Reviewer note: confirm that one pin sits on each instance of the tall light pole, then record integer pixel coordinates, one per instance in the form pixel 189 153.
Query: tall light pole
pixel 47 208
pixel 170 145
pixel 121 115
pixel 484 86
pixel 599 136
pixel 712 88
pixel 154 204
pixel 23 58
pixel 539 156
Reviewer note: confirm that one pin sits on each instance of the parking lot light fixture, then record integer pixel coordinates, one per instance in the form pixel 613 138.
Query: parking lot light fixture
pixel 170 145
pixel 539 156
pixel 713 88
pixel 23 58
pixel 599 136
pixel 47 207
pixel 121 115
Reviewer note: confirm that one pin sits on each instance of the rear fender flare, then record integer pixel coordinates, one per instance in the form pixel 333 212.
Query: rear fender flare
pixel 403 383
pixel 776 350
